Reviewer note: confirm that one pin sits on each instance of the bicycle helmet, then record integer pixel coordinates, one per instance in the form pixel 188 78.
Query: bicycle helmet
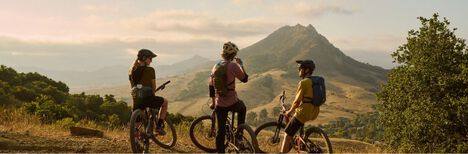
pixel 230 48
pixel 145 53
pixel 306 64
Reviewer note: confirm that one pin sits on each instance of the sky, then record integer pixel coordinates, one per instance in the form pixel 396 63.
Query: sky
pixel 88 35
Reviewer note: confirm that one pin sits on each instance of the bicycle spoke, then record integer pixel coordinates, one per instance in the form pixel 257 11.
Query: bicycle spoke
pixel 268 141
pixel 204 136
pixel 168 139
pixel 316 143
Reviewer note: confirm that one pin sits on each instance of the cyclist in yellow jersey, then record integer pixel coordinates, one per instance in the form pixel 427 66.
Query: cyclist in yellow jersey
pixel 302 104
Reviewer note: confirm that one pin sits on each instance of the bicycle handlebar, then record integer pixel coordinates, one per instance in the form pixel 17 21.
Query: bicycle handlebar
pixel 162 86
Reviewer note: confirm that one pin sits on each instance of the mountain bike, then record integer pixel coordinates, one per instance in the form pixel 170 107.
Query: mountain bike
pixel 142 128
pixel 313 140
pixel 203 135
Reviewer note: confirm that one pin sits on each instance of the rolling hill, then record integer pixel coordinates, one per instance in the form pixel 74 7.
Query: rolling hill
pixel 271 65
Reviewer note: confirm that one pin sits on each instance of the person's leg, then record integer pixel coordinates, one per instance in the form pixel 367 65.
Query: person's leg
pixel 286 146
pixel 163 110
pixel 293 126
pixel 161 103
pixel 221 116
pixel 241 110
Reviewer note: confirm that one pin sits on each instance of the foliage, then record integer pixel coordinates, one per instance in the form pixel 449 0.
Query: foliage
pixel 65 123
pixel 178 118
pixel 424 104
pixel 364 127
pixel 26 87
pixel 51 101
pixel 251 118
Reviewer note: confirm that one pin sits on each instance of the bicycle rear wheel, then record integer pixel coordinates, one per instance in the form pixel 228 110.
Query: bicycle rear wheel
pixel 269 138
pixel 137 131
pixel 317 141
pixel 167 140
pixel 203 133
pixel 248 142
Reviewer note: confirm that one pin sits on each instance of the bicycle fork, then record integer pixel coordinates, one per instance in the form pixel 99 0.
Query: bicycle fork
pixel 149 129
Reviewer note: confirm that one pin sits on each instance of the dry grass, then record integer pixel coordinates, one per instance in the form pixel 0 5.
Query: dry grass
pixel 116 139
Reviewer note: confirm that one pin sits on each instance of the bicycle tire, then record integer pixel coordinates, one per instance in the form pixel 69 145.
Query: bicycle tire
pixel 173 136
pixel 200 120
pixel 325 139
pixel 268 140
pixel 253 137
pixel 136 148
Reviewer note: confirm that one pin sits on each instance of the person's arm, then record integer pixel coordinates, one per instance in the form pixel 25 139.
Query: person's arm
pixel 153 79
pixel 240 71
pixel 211 90
pixel 130 79
pixel 298 99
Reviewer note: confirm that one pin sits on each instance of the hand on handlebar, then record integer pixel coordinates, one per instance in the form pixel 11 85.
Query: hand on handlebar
pixel 287 116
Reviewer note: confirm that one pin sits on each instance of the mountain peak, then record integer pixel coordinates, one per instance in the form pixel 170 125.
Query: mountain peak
pixel 309 29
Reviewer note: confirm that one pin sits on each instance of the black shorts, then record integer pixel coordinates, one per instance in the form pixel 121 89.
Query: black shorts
pixel 293 126
pixel 152 102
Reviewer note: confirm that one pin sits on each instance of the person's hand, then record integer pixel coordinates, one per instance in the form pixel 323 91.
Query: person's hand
pixel 288 113
pixel 286 116
pixel 239 61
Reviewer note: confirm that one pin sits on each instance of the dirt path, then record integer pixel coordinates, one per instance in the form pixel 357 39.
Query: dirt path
pixel 25 142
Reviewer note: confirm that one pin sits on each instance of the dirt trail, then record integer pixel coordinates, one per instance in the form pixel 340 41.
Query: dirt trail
pixel 25 142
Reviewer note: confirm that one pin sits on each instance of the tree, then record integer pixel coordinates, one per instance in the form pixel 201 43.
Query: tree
pixel 424 103
pixel 252 118
pixel 263 115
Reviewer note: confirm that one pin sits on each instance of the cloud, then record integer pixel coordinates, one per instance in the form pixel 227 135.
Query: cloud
pixel 95 54
pixel 310 9
pixel 247 2
pixel 202 24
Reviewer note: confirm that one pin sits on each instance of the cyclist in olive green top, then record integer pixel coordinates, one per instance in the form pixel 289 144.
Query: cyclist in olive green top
pixel 302 104
pixel 142 74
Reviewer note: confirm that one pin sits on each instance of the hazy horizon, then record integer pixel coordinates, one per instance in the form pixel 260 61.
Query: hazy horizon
pixel 89 35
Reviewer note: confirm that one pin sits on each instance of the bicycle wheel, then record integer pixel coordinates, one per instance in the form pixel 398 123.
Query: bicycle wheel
pixel 137 131
pixel 248 143
pixel 169 139
pixel 317 141
pixel 202 134
pixel 267 141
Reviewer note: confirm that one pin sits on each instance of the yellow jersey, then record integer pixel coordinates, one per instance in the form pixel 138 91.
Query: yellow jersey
pixel 305 111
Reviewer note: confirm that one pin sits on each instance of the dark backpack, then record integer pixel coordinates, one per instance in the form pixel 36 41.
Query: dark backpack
pixel 143 91
pixel 318 87
pixel 220 78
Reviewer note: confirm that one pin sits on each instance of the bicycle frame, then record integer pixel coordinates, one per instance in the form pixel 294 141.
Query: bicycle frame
pixel 297 139
pixel 230 129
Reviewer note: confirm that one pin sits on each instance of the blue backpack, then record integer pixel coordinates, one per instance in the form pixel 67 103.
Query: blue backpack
pixel 318 86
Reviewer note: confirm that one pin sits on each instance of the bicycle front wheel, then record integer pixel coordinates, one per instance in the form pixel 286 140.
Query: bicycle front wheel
pixel 317 141
pixel 137 131
pixel 270 136
pixel 203 133
pixel 167 140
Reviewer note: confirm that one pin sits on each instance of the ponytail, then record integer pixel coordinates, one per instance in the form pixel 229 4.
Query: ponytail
pixel 134 67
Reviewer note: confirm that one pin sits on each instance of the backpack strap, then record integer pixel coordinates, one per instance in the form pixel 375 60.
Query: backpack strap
pixel 232 82
pixel 308 99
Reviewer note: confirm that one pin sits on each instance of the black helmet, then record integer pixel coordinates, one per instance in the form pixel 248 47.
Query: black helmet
pixel 145 53
pixel 306 64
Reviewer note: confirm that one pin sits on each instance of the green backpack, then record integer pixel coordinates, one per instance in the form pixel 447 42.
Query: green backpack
pixel 220 79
